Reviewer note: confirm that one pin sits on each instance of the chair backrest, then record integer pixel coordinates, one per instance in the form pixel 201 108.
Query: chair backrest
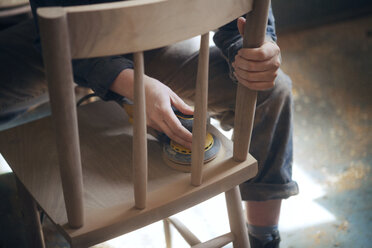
pixel 131 27
pixel 134 26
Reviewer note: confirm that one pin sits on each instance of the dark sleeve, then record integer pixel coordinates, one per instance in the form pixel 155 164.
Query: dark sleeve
pixel 95 73
pixel 229 41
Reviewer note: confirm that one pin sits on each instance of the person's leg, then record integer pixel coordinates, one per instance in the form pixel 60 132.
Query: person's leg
pixel 263 213
pixel 271 141
pixel 263 219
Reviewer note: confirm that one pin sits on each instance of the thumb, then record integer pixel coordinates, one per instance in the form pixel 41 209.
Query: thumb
pixel 181 105
pixel 241 24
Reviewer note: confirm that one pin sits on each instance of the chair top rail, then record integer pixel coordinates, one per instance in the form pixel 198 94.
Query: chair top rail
pixel 132 26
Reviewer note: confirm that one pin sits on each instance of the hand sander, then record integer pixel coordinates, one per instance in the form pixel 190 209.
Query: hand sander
pixel 174 152
pixel 181 155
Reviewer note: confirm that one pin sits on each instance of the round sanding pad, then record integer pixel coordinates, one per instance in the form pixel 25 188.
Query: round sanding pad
pixel 184 157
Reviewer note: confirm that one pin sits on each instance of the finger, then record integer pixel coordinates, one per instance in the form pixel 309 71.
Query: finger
pixel 264 52
pixel 163 125
pixel 261 76
pixel 241 24
pixel 181 140
pixel 180 104
pixel 256 85
pixel 155 130
pixel 250 65
pixel 175 125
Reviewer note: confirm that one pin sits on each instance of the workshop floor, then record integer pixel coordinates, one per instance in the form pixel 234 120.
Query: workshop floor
pixel 331 69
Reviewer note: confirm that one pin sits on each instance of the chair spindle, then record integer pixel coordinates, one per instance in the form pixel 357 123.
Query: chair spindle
pixel 139 134
pixel 236 218
pixel 200 115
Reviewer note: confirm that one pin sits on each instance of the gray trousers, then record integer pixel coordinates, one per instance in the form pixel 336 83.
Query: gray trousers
pixel 22 85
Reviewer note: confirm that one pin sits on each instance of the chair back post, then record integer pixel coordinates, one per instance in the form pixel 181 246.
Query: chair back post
pixel 139 134
pixel 57 60
pixel 254 36
pixel 200 115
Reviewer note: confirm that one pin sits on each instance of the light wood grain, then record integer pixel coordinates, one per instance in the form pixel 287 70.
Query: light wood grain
pixel 219 241
pixel 108 146
pixel 139 135
pixel 55 43
pixel 254 36
pixel 236 218
pixel 187 235
pixel 106 142
pixel 167 233
pixel 144 24
pixel 200 114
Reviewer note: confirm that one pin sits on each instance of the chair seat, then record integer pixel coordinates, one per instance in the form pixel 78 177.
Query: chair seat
pixel 30 151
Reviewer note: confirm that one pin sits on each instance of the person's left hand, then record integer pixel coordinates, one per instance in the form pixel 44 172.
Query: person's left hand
pixel 257 68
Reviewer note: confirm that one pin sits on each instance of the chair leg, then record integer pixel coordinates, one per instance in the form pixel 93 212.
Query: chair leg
pixel 236 218
pixel 31 216
pixel 167 233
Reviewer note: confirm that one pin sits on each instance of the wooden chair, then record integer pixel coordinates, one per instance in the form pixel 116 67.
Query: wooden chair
pixel 53 162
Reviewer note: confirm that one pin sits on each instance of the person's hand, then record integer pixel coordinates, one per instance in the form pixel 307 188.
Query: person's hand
pixel 159 99
pixel 160 116
pixel 257 68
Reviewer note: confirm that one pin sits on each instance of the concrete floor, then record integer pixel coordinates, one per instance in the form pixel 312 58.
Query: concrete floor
pixel 331 68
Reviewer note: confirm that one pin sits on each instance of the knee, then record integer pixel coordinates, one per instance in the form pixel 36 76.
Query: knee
pixel 283 86
pixel 281 94
pixel 278 98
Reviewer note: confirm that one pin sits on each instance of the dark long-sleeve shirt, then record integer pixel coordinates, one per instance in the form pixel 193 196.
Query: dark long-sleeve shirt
pixel 99 73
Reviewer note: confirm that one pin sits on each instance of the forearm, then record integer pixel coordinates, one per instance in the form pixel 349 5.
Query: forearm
pixel 100 73
pixel 123 84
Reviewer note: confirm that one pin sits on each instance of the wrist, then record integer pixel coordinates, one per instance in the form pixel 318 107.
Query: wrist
pixel 123 84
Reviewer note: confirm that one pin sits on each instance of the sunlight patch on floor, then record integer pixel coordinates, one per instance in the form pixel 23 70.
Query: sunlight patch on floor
pixel 302 211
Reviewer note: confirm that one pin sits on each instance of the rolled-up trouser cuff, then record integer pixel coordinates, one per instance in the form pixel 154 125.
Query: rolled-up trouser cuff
pixel 265 192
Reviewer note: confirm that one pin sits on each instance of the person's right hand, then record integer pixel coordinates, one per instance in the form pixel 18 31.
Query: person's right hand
pixel 159 99
pixel 160 115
